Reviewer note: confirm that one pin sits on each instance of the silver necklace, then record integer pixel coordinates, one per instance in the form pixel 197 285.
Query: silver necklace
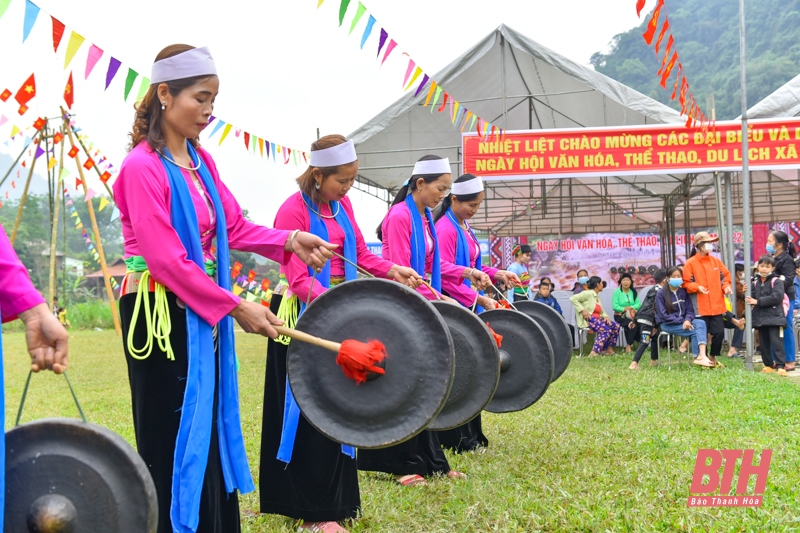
pixel 199 163
pixel 338 207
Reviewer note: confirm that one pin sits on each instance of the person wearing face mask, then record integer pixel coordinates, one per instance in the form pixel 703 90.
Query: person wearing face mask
pixel 580 285
pixel 173 205
pixel 768 315
pixel 522 256
pixel 675 315
pixel 707 281
pixel 304 474
pixel 783 251
pixel 409 238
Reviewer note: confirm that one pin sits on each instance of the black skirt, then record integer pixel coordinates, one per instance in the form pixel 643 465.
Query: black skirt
pixel 320 483
pixel 157 389
pixel 464 438
pixel 421 455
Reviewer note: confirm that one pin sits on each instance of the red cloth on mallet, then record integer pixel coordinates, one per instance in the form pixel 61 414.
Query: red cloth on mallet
pixel 358 359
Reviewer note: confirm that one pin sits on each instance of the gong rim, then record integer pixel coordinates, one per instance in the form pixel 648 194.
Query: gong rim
pixel 477 366
pixel 94 468
pixel 531 360
pixel 556 329
pixel 419 368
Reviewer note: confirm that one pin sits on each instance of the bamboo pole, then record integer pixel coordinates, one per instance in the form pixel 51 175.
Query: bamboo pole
pixel 24 198
pixel 8 172
pixel 99 174
pixel 106 274
pixel 54 235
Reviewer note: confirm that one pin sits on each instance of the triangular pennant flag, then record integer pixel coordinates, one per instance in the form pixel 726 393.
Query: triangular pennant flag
pixel 217 126
pixel 343 10
pixel 359 13
pixel 251 297
pixel 75 42
pixel 3 119
pixel 261 146
pixel 39 152
pixel 319 3
pixel 3 6
pixel 272 147
pixel 89 195
pixel 69 96
pixel 444 102
pixel 436 97
pixel 247 140
pixel 225 133
pixel 237 290
pixel 421 85
pixel 64 174
pixel 92 58
pixel 31 12
pixel 430 93
pixel 58 32
pixel 103 203
pixel 132 75
pixel 367 31
pixel 409 69
pixel 417 72
pixel 113 67
pixel 74 214
pixel 389 49
pixel 52 163
pixel 78 183
pixel 143 89
pixel 381 42
pixel 115 213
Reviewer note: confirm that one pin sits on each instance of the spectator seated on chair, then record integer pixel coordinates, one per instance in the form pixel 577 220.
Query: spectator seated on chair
pixel 675 315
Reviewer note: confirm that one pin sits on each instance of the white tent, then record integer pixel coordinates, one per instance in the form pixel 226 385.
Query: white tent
pixel 784 102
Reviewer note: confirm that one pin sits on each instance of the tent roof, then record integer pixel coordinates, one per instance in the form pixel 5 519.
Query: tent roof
pixel 784 102
pixel 543 90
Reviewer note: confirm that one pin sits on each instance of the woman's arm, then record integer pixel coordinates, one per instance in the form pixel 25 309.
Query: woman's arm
pixel 17 293
pixel 291 216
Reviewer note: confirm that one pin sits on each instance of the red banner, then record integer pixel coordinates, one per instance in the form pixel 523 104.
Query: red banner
pixel 658 149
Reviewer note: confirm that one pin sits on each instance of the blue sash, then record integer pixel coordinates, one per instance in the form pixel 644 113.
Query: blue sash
pixel 419 246
pixel 194 431
pixel 462 251
pixel 3 432
pixel 291 411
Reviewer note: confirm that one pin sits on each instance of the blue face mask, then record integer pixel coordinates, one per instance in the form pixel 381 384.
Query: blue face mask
pixel 770 249
pixel 675 282
pixel 583 280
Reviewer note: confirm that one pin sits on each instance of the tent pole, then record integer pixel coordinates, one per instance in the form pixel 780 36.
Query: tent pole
pixel 687 229
pixel 729 216
pixel 503 74
pixel 721 233
pixel 746 229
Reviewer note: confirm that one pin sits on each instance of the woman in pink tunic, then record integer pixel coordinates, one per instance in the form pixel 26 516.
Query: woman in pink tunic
pixel 179 221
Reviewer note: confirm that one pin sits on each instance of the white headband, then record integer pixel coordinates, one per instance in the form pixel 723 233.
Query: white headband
pixel 188 64
pixel 341 154
pixel 432 166
pixel 464 188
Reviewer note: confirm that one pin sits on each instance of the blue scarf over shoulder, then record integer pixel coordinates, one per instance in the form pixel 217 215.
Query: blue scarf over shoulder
pixel 419 246
pixel 205 370
pixel 462 251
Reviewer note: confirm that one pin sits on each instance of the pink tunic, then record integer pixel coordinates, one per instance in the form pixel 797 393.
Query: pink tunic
pixel 143 196
pixel 294 215
pixel 396 229
pixel 17 293
pixel 448 239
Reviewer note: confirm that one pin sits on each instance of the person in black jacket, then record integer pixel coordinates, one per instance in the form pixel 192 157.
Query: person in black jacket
pixel 783 251
pixel 646 321
pixel 768 316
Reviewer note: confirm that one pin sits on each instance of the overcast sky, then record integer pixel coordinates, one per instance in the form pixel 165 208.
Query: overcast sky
pixel 285 68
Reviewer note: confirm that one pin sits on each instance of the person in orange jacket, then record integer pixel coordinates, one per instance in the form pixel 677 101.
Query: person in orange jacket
pixel 707 281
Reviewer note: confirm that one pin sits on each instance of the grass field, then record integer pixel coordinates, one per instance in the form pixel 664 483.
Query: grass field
pixel 606 449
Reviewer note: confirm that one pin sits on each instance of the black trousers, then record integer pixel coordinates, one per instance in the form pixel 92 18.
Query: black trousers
pixel 631 333
pixel 320 483
pixel 649 337
pixel 157 388
pixel 716 328
pixel 771 340
pixel 464 438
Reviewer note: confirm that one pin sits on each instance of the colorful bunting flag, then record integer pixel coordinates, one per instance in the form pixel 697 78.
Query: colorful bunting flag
pixel 4 5
pixel 132 75
pixel 89 195
pixel 58 32
pixel 75 42
pixel 31 12
pixel 53 162
pixel 145 85
pixel 113 67
pixel 92 58
pixel 368 31
pixel 343 10
pixel 69 97
pixel 103 203
pixel 359 13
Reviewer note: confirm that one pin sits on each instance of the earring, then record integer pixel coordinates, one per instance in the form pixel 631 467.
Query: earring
pixel 163 104
pixel 316 185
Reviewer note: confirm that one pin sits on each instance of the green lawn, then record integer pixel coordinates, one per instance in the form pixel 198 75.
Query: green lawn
pixel 606 449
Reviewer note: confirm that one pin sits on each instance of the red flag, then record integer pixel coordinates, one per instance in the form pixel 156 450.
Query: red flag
pixel 88 164
pixel 27 91
pixel 68 95
pixel 39 124
pixel 5 95
pixel 664 29
pixel 653 25
pixel 247 140
pixel 444 102
pixel 665 75
pixel 23 109
pixel 670 42
pixel 78 183
pixel 13 184
pixel 265 285
pixel 639 7
pixel 58 32
pixel 677 81
pixel 251 276
pixel 24 165
pixel 105 177
pixel 73 152
pixel 57 137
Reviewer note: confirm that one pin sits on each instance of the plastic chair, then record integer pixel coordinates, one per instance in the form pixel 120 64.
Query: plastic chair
pixel 583 337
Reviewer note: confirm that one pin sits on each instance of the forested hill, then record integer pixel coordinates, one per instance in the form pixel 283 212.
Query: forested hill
pixel 707 38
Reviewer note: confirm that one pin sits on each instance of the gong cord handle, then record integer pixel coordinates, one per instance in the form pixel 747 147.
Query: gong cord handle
pixel 346 260
pixel 25 395
pixel 310 339
pixel 434 291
